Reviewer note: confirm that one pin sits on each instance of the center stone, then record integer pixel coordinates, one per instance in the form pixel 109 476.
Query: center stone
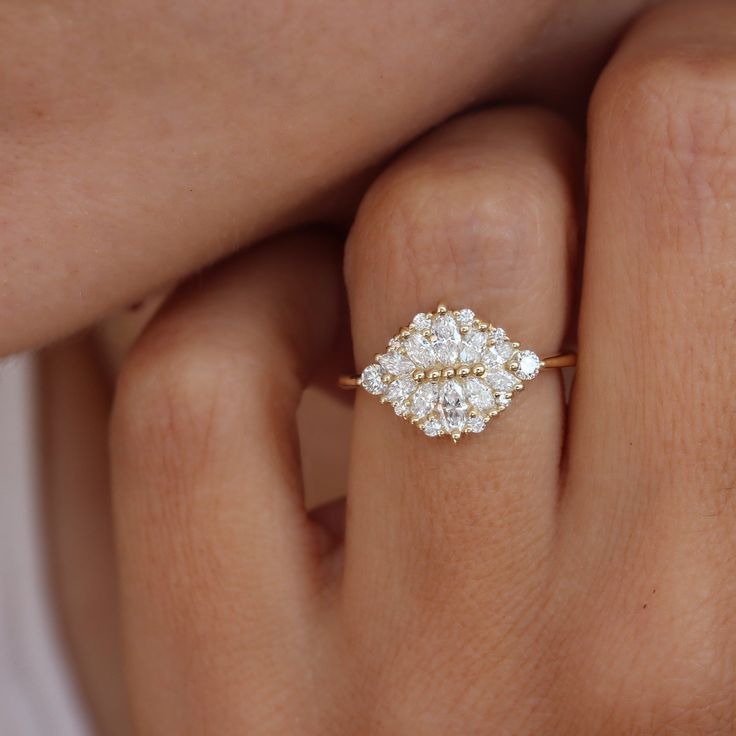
pixel 452 406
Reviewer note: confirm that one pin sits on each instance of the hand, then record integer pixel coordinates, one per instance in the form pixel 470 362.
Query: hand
pixel 546 577
pixel 143 140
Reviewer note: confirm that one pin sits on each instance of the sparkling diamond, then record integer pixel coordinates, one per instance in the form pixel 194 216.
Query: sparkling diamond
pixel 472 346
pixel 446 339
pixel 452 406
pixel 479 395
pixel 529 364
pixel 432 427
pixel 396 364
pixel 421 322
pixel 420 351
pixel 400 389
pixel 475 424
pixel 402 408
pixel 465 317
pixel 499 353
pixel 394 343
pixel 424 400
pixel 372 380
pixel 503 400
pixel 499 379
pixel 498 334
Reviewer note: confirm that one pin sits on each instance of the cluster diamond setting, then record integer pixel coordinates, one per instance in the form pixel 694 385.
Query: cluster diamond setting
pixel 449 373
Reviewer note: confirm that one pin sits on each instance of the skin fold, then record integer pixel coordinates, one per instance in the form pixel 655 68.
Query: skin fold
pixel 566 572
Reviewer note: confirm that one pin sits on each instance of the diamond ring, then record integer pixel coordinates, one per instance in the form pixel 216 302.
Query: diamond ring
pixel 449 373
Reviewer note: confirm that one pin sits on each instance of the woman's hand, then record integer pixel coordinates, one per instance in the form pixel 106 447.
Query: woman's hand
pixel 545 577
pixel 142 140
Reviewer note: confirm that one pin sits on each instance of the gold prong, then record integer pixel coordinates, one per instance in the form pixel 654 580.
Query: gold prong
pixel 418 375
pixel 463 371
pixel 448 373
pixel 514 366
pixel 434 375
pixel 383 400
pixel 483 326
pixel 473 414
pixel 441 309
pixel 376 357
pixel 427 333
pixel 495 413
pixel 404 332
pixel 456 437
pixel 386 378
pixel 479 370
pixel 516 344
pixel 519 387
pixel 542 364
pixel 464 330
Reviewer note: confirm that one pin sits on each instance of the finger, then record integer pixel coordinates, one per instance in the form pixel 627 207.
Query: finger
pixel 654 419
pixel 218 559
pixel 75 400
pixel 480 215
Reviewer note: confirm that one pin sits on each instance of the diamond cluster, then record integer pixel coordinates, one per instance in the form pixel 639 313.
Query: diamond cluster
pixel 450 373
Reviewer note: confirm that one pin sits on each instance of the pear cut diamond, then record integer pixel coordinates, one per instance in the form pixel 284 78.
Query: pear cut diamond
pixel 449 373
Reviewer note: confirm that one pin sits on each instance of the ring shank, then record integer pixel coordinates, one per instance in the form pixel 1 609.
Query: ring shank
pixel 564 360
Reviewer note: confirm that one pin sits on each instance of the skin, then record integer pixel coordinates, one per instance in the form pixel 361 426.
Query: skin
pixel 140 141
pixel 566 572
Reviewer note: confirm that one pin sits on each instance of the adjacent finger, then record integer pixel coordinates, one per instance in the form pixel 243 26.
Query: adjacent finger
pixel 218 559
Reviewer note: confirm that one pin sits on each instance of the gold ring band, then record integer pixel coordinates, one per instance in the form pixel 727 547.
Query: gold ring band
pixel 449 373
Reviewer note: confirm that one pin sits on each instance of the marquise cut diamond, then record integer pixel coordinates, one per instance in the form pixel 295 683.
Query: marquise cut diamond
pixel 449 373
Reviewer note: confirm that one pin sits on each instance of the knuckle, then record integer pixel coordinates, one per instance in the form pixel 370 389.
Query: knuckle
pixel 679 105
pixel 170 400
pixel 435 220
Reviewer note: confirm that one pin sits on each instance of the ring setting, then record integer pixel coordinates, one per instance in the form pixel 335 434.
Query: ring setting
pixel 449 373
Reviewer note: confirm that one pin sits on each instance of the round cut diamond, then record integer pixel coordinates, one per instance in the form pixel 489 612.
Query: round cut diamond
pixel 396 364
pixel 432 427
pixel 475 424
pixel 529 364
pixel 372 380
pixel 465 317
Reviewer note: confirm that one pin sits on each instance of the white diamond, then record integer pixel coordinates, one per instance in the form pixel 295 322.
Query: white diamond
pixel 529 364
pixel 465 317
pixel 498 334
pixel 446 339
pixel 394 343
pixel 400 389
pixel 479 395
pixel 421 322
pixel 475 424
pixel 499 353
pixel 452 406
pixel 372 380
pixel 424 400
pixel 499 379
pixel 420 351
pixel 401 408
pixel 503 400
pixel 472 346
pixel 432 427
pixel 396 364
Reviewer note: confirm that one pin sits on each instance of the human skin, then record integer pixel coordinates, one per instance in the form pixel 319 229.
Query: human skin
pixel 140 141
pixel 566 572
